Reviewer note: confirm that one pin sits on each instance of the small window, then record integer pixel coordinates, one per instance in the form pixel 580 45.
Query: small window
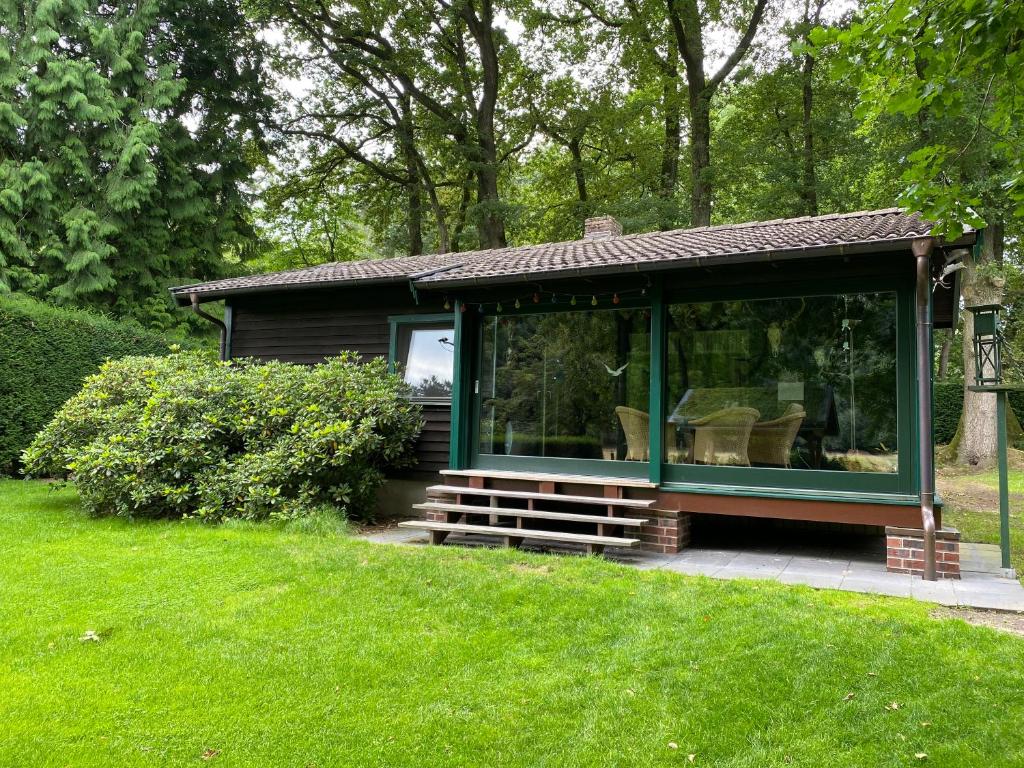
pixel 425 353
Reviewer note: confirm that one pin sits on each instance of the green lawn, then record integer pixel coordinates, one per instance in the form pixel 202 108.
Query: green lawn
pixel 973 509
pixel 266 647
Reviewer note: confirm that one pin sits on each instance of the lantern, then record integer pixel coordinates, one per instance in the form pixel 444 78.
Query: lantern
pixel 988 341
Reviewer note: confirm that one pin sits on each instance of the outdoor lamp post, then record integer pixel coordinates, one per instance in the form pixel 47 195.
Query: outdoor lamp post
pixel 988 377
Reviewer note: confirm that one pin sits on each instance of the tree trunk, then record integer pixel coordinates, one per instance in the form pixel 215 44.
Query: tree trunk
pixel 415 219
pixel 809 181
pixel 669 179
pixel 700 157
pixel 490 223
pixel 976 436
pixel 577 170
pixel 944 352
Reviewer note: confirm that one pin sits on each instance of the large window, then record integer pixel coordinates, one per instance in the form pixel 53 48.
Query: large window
pixel 806 383
pixel 425 354
pixel 566 384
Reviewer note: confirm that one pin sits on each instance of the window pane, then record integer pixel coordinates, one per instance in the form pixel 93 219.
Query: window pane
pixel 566 384
pixel 429 361
pixel 807 383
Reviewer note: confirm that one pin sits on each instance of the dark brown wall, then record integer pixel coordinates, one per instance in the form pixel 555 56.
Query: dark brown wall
pixel 308 326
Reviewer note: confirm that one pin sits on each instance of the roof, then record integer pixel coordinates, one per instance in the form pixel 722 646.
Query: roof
pixel 808 236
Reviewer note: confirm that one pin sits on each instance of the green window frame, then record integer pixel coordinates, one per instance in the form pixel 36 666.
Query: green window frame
pixel 898 487
pixel 590 467
pixel 398 322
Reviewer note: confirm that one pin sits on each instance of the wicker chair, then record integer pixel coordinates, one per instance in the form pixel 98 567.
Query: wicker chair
pixel 771 441
pixel 637 427
pixel 721 437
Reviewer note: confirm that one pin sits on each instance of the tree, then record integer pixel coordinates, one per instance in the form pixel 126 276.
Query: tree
pixel 672 37
pixel 954 69
pixel 126 133
pixel 409 90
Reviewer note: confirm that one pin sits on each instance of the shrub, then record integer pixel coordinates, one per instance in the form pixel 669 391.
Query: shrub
pixel 45 354
pixel 186 436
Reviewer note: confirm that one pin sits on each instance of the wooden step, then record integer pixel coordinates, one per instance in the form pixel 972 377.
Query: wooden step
pixel 541 477
pixel 538 496
pixel 537 514
pixel 516 535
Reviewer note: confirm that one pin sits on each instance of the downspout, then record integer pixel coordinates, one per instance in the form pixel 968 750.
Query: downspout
pixel 922 249
pixel 194 299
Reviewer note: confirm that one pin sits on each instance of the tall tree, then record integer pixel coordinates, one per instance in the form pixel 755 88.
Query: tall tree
pixel 126 133
pixel 672 35
pixel 955 70
pixel 440 79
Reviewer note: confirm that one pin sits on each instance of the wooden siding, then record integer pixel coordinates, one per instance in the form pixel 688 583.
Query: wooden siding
pixel 308 326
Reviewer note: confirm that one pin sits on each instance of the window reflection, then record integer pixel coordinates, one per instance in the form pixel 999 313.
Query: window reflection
pixel 566 384
pixel 808 383
pixel 428 355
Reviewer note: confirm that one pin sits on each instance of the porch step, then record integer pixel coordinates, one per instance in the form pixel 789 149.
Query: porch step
pixel 541 477
pixel 537 514
pixel 513 536
pixel 538 496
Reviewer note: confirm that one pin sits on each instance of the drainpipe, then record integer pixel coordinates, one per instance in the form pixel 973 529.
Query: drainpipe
pixel 922 249
pixel 216 321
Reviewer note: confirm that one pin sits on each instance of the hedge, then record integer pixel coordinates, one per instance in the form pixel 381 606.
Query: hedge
pixel 46 352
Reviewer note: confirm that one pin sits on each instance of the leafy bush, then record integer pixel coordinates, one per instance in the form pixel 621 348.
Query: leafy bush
pixel 45 354
pixel 186 436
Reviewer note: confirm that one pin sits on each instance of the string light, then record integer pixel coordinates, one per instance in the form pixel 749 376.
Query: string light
pixel 613 298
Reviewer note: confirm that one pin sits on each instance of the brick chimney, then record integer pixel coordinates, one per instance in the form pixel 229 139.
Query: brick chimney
pixel 600 227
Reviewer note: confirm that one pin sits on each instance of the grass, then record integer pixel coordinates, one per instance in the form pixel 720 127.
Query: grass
pixel 251 645
pixel 973 508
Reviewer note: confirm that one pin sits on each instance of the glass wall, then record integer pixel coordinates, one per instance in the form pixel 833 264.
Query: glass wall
pixel 566 385
pixel 807 383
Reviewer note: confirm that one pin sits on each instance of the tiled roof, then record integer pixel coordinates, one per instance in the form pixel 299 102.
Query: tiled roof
pixel 365 271
pixel 806 236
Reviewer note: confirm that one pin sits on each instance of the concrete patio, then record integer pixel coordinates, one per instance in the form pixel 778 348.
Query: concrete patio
pixel 852 564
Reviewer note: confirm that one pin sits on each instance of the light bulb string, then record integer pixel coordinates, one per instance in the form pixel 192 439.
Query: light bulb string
pixel 518 301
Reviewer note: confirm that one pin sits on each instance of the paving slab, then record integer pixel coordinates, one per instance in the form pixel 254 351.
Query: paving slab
pixel 848 568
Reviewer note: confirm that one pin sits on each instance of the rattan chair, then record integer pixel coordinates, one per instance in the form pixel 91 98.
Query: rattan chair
pixel 637 427
pixel 721 437
pixel 771 442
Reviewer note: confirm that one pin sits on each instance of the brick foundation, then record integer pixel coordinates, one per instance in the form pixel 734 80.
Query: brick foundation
pixel 665 532
pixel 904 551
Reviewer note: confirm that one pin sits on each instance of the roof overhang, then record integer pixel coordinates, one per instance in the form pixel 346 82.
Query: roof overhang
pixel 691 262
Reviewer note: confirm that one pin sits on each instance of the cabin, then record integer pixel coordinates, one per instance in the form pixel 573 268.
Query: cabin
pixel 609 390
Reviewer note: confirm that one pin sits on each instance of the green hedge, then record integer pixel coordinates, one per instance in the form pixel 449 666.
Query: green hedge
pixel 949 402
pixel 45 354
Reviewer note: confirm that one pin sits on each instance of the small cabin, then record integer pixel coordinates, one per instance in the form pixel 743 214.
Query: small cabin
pixel 771 369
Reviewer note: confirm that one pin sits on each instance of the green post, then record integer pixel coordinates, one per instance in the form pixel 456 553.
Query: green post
pixel 657 384
pixel 460 388
pixel 1004 495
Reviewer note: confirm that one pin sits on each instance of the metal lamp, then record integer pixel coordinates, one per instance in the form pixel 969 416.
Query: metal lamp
pixel 988 342
pixel 988 377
